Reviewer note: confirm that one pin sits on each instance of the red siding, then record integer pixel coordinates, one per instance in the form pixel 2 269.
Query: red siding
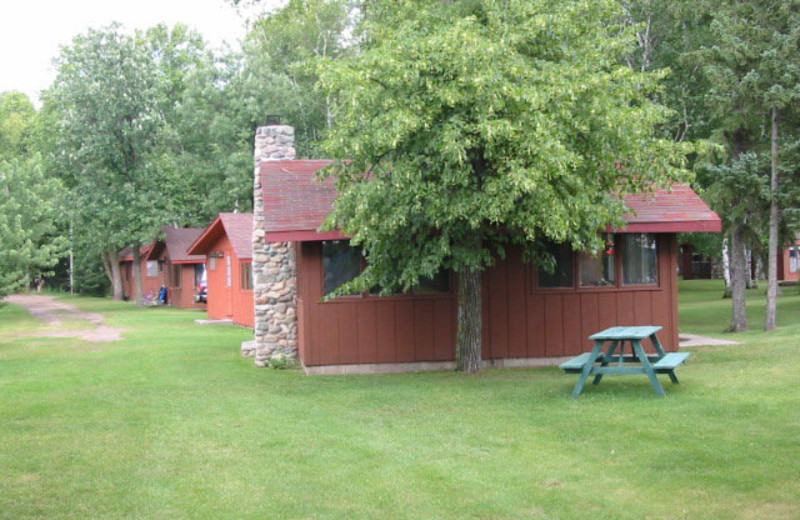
pixel 520 320
pixel 228 301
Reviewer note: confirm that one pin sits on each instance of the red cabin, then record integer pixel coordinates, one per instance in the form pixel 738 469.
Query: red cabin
pixel 528 313
pixel 789 263
pixel 227 246
pixel 151 273
pixel 179 271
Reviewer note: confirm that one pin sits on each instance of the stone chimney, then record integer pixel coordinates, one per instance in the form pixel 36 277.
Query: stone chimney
pixel 274 266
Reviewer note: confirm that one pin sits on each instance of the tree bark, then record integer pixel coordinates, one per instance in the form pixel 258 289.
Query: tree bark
pixel 111 266
pixel 726 268
pixel 138 295
pixel 772 252
pixel 739 314
pixel 470 321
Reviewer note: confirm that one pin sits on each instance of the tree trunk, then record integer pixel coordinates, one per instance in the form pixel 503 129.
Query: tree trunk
pixel 470 321
pixel 772 258
pixel 750 282
pixel 726 268
pixel 138 295
pixel 111 266
pixel 739 317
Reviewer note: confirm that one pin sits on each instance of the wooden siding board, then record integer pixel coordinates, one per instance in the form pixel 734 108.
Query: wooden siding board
pixel 625 313
pixel 386 335
pixel 404 330
pixel 536 345
pixel 367 331
pixel 572 321
pixel 423 331
pixel 348 333
pixel 554 325
pixel 444 329
pixel 517 288
pixel 590 319
pixel 497 282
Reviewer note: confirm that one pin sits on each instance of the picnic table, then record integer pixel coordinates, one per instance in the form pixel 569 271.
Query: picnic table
pixel 614 360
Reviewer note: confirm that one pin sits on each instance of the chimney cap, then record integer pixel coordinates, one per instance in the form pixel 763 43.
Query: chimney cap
pixel 273 119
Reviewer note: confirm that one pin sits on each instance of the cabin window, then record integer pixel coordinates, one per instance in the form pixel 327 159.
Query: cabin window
pixel 152 268
pixel 634 256
pixel 598 270
pixel 212 264
pixel 199 274
pixel 175 273
pixel 563 273
pixel 639 259
pixel 246 273
pixel 438 284
pixel 793 257
pixel 228 274
pixel 340 263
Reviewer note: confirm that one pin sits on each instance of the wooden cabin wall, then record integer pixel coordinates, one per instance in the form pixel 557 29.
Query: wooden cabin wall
pixel 520 320
pixel 354 330
pixel 228 302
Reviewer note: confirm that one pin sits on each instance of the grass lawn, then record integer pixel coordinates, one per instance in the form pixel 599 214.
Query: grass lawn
pixel 172 423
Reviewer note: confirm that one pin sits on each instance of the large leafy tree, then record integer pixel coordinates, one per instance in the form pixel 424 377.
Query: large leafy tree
pixel 473 125
pixel 754 70
pixel 30 204
pixel 17 119
pixel 106 97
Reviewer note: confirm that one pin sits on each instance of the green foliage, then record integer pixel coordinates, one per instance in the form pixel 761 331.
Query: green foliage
pixel 487 123
pixel 17 117
pixel 29 210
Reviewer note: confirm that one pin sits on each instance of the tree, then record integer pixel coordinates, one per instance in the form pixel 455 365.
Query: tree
pixel 755 73
pixel 17 117
pixel 475 125
pixel 106 96
pixel 29 210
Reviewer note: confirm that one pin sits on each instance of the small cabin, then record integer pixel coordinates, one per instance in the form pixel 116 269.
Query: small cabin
pixel 789 263
pixel 227 247
pixel 181 273
pixel 151 273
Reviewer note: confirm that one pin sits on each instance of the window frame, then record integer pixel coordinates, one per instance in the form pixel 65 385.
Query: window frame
pixel 618 284
pixel 365 296
pixel 245 274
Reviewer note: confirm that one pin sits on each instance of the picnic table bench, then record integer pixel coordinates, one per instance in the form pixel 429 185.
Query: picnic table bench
pixel 599 363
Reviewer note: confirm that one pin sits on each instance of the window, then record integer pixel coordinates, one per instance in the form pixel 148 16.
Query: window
pixel 175 274
pixel 228 275
pixel 212 264
pixel 246 273
pixel 639 259
pixel 340 263
pixel 793 263
pixel 633 257
pixel 563 273
pixel 599 270
pixel 152 268
pixel 439 284
pixel 199 275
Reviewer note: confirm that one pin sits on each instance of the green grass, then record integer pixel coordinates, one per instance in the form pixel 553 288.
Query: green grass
pixel 172 423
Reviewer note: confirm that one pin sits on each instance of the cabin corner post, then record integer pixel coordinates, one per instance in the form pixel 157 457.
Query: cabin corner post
pixel 274 263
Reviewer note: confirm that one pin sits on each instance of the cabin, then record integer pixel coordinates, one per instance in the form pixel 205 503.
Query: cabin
pixel 180 272
pixel 226 245
pixel 151 273
pixel 530 317
pixel 789 262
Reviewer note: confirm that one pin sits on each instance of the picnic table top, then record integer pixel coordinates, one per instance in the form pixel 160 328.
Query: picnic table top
pixel 619 333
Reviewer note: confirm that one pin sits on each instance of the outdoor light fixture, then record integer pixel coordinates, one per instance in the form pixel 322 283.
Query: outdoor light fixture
pixel 273 119
pixel 218 254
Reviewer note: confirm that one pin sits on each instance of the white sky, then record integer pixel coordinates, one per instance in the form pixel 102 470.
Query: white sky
pixel 32 31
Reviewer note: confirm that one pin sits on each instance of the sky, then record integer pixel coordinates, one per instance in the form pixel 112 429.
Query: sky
pixel 32 31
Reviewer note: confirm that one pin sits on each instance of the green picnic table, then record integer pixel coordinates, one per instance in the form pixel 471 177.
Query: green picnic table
pixel 612 361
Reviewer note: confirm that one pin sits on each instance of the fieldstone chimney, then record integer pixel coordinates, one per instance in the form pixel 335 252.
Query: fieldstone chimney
pixel 274 266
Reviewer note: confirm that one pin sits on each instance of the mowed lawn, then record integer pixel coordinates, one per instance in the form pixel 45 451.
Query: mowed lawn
pixel 172 423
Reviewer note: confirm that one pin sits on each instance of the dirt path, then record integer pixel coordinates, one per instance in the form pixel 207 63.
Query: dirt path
pixel 52 312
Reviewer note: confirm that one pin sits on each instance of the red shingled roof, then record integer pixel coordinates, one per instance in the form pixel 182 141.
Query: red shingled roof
pixel 237 226
pixel 177 242
pixel 296 204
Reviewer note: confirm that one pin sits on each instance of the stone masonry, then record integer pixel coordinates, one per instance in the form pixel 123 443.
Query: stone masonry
pixel 274 267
